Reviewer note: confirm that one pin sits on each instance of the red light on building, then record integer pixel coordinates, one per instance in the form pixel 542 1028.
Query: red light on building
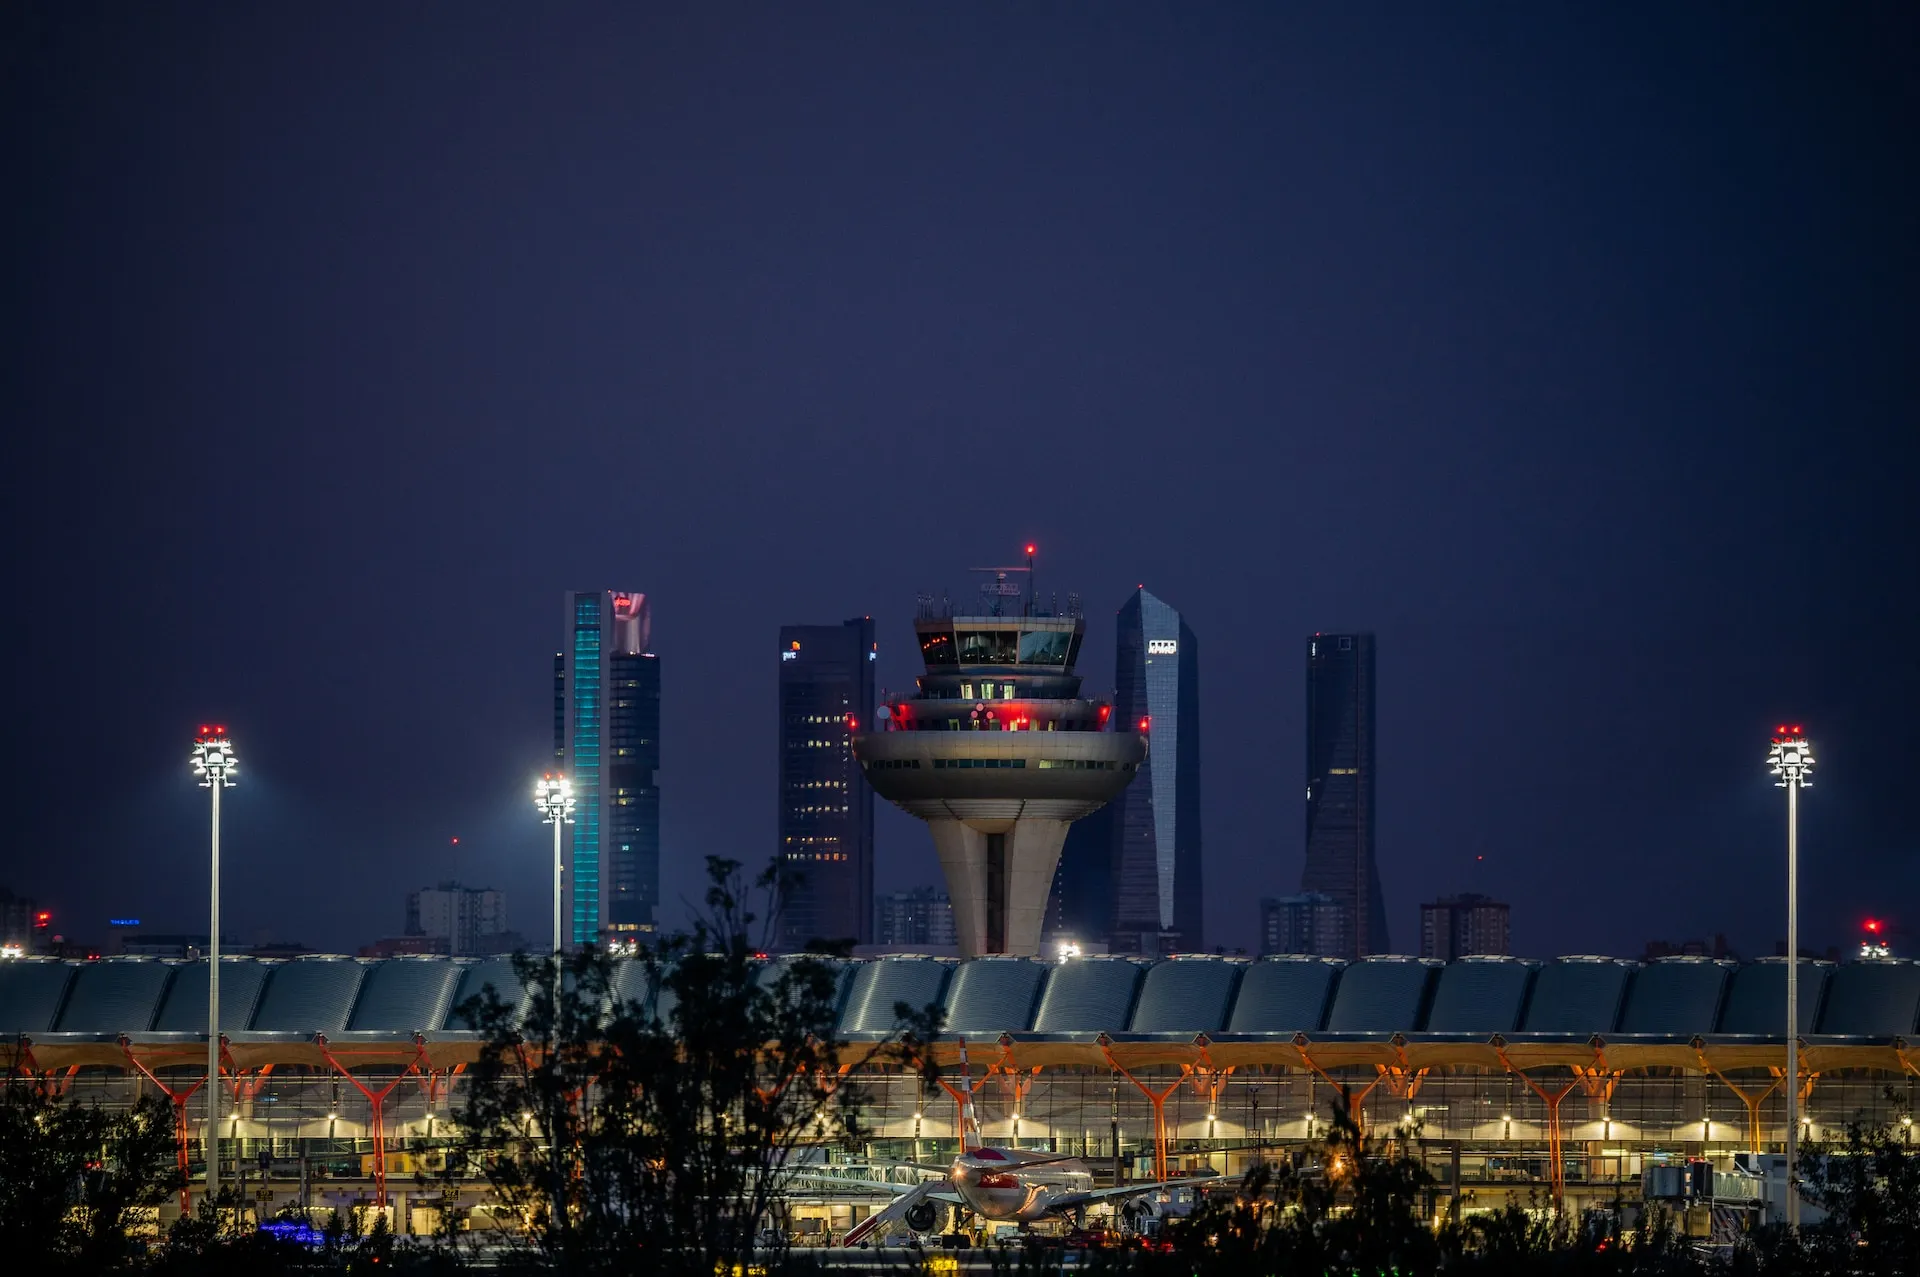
pixel 1146 722
pixel 1873 924
pixel 42 918
pixel 853 724
pixel 1029 547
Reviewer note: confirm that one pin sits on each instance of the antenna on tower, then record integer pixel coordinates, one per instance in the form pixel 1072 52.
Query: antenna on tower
pixel 1073 603
pixel 1033 594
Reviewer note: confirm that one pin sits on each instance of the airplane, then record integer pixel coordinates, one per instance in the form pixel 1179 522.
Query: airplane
pixel 1000 1185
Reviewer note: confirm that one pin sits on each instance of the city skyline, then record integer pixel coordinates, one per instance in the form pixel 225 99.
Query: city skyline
pixel 1449 336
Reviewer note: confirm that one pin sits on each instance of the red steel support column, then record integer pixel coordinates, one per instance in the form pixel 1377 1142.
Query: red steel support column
pixel 377 1101
pixel 180 1124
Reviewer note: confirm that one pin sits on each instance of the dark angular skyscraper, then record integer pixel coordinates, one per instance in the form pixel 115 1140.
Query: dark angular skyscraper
pixel 1156 852
pixel 606 737
pixel 826 806
pixel 1340 776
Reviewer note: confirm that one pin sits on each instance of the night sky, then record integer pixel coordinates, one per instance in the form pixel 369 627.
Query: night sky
pixel 1570 350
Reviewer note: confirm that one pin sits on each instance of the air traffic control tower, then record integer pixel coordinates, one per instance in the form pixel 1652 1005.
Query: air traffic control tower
pixel 999 753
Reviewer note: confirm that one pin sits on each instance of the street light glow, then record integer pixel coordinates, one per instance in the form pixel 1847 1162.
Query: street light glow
pixel 1790 760
pixel 553 796
pixel 213 760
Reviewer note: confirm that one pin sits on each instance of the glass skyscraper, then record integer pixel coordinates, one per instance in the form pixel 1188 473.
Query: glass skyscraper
pixel 1340 774
pixel 606 740
pixel 826 806
pixel 1156 862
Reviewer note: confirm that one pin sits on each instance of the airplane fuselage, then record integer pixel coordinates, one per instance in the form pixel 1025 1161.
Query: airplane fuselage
pixel 997 1186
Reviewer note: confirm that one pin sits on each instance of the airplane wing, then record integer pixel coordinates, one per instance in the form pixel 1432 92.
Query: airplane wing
pixel 1067 1201
pixel 940 1192
pixel 895 1209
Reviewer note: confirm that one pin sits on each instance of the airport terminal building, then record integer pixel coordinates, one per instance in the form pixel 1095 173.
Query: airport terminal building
pixel 1569 1077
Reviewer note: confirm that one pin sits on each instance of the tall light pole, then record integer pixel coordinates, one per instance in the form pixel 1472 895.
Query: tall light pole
pixel 553 796
pixel 213 764
pixel 1791 762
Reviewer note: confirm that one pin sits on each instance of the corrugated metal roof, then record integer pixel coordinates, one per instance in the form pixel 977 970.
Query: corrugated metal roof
pixel 497 973
pixel 1480 995
pixel 1877 997
pixel 1381 994
pixel 878 985
pixel 1577 996
pixel 842 975
pixel 31 990
pixel 1087 995
pixel 184 1007
pixel 1757 997
pixel 118 995
pixel 404 995
pixel 1186 995
pixel 994 995
pixel 1284 995
pixel 306 995
pixel 1675 997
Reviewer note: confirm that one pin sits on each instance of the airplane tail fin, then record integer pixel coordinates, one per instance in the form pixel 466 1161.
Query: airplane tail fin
pixel 969 1123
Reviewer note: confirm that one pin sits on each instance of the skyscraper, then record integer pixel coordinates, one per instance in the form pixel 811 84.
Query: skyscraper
pixel 1340 776
pixel 606 738
pixel 1156 853
pixel 826 807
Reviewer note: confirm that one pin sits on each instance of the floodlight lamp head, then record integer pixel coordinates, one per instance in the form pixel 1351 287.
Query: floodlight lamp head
pixel 213 760
pixel 553 797
pixel 1790 760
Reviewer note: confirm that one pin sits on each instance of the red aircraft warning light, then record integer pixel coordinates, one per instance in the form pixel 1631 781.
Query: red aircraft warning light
pixel 1029 549
pixel 1873 924
pixel 1146 721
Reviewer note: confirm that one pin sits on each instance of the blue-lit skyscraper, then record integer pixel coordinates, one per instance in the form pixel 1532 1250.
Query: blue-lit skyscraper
pixel 1340 855
pixel 1156 875
pixel 606 739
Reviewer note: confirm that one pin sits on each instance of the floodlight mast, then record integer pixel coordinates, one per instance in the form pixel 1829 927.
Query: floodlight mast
pixel 213 763
pixel 553 797
pixel 1790 760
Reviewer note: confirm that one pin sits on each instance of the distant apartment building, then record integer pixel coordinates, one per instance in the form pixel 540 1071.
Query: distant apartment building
pixel 1457 926
pixel 1311 922
pixel 471 920
pixel 23 925
pixel 921 918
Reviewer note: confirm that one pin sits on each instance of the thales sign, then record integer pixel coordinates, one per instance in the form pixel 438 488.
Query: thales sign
pixel 1162 647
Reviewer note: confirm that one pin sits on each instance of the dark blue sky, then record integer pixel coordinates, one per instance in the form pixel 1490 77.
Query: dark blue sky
pixel 1570 349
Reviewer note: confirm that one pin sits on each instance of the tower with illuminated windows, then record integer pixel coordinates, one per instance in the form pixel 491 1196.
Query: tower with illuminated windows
pixel 999 754
pixel 826 807
pixel 606 739
pixel 1340 857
